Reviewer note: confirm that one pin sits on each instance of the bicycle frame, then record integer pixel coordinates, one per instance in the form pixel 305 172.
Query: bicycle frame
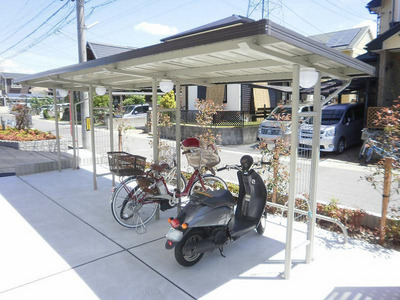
pixel 196 175
pixel 185 192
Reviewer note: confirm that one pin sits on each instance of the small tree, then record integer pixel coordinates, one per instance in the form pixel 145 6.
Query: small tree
pixel 100 101
pixel 134 99
pixel 167 100
pixel 206 111
pixel 389 119
pixel 21 116
pixel 277 172
pixel 37 103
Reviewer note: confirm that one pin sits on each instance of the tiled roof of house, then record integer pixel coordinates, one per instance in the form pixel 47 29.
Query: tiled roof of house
pixel 104 50
pixel 223 23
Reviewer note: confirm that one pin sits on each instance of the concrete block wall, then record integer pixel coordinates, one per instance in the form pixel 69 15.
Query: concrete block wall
pixel 229 136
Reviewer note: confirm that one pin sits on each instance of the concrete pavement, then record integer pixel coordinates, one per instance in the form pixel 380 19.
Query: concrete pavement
pixel 60 241
pixel 21 162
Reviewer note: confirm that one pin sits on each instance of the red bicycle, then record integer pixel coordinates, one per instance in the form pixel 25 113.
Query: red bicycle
pixel 136 199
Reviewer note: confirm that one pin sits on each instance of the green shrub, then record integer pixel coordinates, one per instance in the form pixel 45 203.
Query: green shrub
pixel 46 114
pixel 134 99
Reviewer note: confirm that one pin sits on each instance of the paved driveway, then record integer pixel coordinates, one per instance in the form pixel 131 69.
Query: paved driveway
pixel 60 241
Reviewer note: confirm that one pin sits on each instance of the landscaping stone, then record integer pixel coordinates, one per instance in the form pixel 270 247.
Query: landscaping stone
pixel 44 145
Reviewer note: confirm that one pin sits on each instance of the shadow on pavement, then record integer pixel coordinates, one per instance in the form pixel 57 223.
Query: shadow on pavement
pixel 370 292
pixel 94 254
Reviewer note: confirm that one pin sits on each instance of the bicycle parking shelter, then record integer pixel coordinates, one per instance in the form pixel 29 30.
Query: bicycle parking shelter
pixel 260 51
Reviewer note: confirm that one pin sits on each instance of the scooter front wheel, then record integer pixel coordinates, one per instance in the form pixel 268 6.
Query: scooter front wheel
pixel 195 235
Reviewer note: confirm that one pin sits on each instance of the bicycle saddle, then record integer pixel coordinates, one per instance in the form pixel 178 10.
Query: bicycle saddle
pixel 159 168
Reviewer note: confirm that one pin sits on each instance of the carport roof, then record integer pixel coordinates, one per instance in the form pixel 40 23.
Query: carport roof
pixel 254 52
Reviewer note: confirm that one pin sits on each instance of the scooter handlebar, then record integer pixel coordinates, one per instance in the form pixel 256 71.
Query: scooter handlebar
pixel 228 167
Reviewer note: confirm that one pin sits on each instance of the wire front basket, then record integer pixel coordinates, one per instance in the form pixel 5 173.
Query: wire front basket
pixel 125 164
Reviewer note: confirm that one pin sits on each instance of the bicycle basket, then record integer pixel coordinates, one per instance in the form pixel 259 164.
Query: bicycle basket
pixel 125 164
pixel 200 155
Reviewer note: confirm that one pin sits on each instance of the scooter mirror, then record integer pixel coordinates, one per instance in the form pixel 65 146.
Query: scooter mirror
pixel 246 162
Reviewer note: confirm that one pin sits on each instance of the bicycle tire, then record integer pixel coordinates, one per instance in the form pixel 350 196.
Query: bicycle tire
pixel 211 182
pixel 125 208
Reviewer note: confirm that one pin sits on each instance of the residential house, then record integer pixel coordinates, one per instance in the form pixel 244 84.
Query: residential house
pixel 97 50
pixel 386 49
pixel 11 90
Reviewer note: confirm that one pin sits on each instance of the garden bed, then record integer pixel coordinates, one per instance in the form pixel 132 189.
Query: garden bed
pixel 30 140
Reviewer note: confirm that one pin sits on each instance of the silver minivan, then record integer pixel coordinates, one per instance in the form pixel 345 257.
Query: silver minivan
pixel 341 126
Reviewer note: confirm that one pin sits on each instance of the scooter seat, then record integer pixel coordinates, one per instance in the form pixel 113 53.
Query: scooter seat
pixel 240 226
pixel 218 198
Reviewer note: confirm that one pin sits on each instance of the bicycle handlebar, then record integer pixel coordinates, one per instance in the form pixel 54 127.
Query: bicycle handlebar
pixel 238 167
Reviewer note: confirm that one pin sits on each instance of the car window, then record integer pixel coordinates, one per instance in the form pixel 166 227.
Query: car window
pixel 349 115
pixel 145 109
pixel 128 109
pixel 138 110
pixel 331 116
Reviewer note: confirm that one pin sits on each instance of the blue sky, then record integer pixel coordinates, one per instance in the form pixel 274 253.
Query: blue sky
pixel 140 23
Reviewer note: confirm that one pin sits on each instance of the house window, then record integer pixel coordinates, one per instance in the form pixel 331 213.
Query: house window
pixel 201 92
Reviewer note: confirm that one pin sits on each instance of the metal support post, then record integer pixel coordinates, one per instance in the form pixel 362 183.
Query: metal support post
pixel 80 18
pixel 154 126
pixel 111 125
pixel 154 121
pixel 92 132
pixel 72 126
pixel 293 161
pixel 178 138
pixel 314 169
pixel 57 130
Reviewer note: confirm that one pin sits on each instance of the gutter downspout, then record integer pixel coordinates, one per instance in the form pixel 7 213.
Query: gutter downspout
pixel 336 93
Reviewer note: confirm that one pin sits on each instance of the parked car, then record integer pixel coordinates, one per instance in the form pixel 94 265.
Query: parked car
pixel 271 128
pixel 131 111
pixel 341 126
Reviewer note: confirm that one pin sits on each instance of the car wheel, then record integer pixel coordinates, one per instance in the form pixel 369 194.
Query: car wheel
pixel 341 146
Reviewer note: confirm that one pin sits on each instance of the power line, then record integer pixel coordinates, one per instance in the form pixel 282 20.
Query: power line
pixel 303 18
pixel 57 27
pixel 160 14
pixel 36 29
pixel 125 12
pixel 347 11
pixel 29 21
pixel 331 10
pixel 11 25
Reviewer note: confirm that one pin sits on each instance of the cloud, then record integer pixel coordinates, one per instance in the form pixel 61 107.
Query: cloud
pixel 156 29
pixel 11 66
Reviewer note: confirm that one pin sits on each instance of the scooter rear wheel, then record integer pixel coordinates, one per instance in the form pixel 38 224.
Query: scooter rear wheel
pixel 194 235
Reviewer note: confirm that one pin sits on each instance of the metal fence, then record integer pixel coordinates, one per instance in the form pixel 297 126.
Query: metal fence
pixel 221 118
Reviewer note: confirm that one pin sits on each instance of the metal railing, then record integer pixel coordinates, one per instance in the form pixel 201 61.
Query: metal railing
pixel 220 119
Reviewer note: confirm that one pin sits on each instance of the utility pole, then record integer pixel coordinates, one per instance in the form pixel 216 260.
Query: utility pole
pixel 84 96
pixel 267 7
